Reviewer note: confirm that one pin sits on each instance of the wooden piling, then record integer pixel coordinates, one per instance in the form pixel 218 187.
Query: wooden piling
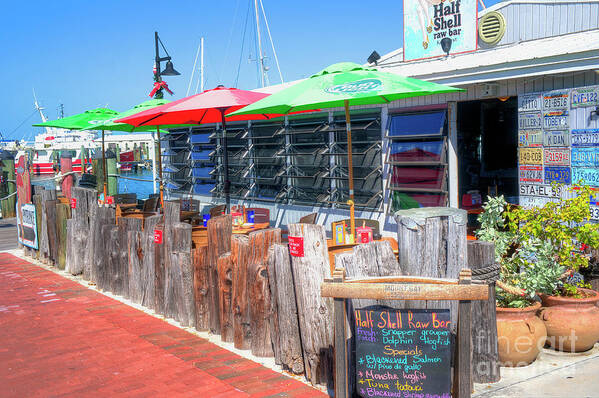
pixel 485 357
pixel 315 312
pixel 219 243
pixel 225 290
pixel 284 331
pixel 201 286
pixel 63 213
pixel 242 332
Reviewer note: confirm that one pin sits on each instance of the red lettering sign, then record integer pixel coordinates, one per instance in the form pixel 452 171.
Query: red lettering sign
pixel 73 203
pixel 109 200
pixel 158 236
pixel 296 246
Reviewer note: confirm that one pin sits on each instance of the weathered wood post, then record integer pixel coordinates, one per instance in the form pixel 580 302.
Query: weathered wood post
pixel 201 286
pixel 112 187
pixel 48 198
pixel 242 333
pixel 485 358
pixel 7 184
pixel 219 243
pixel 149 261
pixel 315 312
pixel 63 213
pixel 432 243
pixel 98 170
pixel 121 275
pixel 225 290
pixel 66 166
pixel 260 304
pixel 105 219
pixel 78 228
pixel 285 332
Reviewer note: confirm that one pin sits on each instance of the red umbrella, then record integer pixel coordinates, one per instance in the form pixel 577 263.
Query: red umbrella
pixel 210 106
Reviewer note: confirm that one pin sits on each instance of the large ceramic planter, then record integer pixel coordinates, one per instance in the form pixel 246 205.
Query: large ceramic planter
pixel 520 335
pixel 572 324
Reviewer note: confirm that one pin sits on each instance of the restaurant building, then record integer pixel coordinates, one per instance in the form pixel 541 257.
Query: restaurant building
pixel 528 116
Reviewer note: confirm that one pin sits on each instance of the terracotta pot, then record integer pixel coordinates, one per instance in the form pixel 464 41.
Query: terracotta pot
pixel 520 335
pixel 572 324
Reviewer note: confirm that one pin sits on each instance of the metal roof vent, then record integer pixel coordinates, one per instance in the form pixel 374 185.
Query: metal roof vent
pixel 491 27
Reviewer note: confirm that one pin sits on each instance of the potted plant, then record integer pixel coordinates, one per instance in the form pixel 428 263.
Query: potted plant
pixel 562 232
pixel 520 333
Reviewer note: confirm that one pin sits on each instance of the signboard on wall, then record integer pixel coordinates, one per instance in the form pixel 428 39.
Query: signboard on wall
pixel 434 28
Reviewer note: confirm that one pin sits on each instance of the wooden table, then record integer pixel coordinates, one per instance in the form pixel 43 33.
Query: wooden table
pixel 334 249
pixel 246 229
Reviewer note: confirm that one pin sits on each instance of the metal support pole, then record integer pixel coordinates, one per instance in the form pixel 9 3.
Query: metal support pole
pixel 227 186
pixel 104 168
pixel 350 167
pixel 160 168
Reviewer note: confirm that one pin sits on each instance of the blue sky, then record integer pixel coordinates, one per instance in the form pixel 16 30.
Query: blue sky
pixel 87 54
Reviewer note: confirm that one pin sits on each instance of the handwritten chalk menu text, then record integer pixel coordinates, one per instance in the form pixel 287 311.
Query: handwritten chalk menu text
pixel 403 353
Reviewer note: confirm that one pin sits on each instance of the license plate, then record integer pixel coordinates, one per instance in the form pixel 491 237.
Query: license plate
pixel 528 173
pixel 556 120
pixel 595 213
pixel 585 156
pixel 585 96
pixel 585 137
pixel 529 102
pixel 558 99
pixel 529 121
pixel 530 155
pixel 546 191
pixel 556 138
pixel 561 175
pixel 589 176
pixel 557 157
pixel 534 201
pixel 530 138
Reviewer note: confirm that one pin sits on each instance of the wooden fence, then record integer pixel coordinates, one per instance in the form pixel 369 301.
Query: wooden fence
pixel 246 288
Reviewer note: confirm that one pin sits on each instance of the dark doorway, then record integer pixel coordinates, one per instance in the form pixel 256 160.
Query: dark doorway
pixel 487 150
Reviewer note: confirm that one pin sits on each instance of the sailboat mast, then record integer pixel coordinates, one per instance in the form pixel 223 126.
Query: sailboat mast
pixel 202 65
pixel 260 57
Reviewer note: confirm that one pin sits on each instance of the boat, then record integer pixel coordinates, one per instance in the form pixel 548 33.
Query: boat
pixel 49 145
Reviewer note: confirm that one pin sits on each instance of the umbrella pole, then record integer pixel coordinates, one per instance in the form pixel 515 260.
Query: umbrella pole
pixel 226 163
pixel 104 167
pixel 350 167
pixel 160 167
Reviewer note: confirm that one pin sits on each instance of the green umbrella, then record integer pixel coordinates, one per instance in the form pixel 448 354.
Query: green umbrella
pixel 344 84
pixel 81 121
pixel 109 124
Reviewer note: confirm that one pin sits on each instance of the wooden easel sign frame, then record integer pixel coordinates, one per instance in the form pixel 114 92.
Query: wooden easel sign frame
pixel 406 288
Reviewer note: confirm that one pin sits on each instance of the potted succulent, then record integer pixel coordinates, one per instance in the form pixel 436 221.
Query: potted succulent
pixel 562 229
pixel 520 333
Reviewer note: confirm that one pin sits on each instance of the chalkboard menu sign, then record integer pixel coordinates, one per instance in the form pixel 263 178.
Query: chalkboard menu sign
pixel 403 353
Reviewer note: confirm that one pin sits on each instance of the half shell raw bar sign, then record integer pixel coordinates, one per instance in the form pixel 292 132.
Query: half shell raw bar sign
pixel 402 353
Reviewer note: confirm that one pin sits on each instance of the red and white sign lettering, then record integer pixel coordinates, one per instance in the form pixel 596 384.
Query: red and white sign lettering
pixel 73 203
pixel 158 236
pixel 109 200
pixel 296 246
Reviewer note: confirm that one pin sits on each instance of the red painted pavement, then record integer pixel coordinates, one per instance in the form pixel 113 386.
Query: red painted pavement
pixel 60 339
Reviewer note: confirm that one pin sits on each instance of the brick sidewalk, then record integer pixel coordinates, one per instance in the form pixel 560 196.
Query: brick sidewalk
pixel 58 338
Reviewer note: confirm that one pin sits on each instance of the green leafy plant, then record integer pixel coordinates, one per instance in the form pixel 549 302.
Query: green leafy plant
pixel 536 247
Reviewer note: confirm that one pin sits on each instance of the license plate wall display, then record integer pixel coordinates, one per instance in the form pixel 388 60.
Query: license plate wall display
pixel 530 138
pixel 530 121
pixel 584 96
pixel 556 156
pixel 585 156
pixel 529 102
pixel 556 138
pixel 530 173
pixel 556 120
pixel 595 213
pixel 530 155
pixel 534 201
pixel 542 190
pixel 561 175
pixel 588 175
pixel 556 100
pixel 585 137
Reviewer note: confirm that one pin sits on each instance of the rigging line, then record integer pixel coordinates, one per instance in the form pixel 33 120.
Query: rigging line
pixel 193 70
pixel 226 57
pixel 242 44
pixel 22 123
pixel 271 42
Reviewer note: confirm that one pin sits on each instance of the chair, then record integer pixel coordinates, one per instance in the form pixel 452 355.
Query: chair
pixel 217 211
pixel 261 215
pixel 125 198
